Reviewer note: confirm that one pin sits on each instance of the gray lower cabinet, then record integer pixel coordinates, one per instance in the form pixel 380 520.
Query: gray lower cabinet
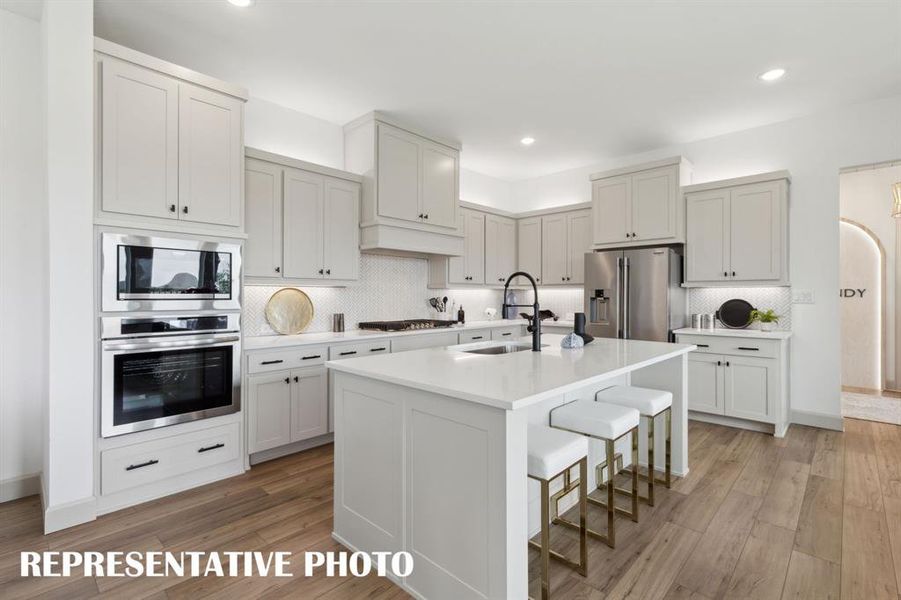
pixel 286 406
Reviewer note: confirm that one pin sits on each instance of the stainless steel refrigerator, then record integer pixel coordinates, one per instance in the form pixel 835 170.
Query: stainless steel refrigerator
pixel 635 293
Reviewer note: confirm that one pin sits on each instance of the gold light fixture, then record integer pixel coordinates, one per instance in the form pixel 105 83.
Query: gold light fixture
pixel 896 207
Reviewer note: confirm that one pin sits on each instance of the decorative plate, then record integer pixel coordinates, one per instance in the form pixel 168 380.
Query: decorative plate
pixel 289 311
pixel 735 313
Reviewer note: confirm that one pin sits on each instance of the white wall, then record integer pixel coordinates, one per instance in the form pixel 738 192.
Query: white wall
pixel 488 191
pixel 860 272
pixel 865 196
pixel 814 149
pixel 23 256
pixel 284 131
pixel 68 45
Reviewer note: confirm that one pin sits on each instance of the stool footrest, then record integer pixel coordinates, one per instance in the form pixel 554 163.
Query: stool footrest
pixel 558 520
pixel 559 557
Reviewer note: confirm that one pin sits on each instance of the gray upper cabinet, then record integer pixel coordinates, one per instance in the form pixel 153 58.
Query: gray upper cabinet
pixel 303 223
pixel 639 205
pixel 737 231
pixel 500 249
pixel 170 145
pixel 470 268
pixel 529 248
pixel 411 187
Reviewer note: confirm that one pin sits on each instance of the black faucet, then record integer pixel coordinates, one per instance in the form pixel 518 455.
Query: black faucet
pixel 536 321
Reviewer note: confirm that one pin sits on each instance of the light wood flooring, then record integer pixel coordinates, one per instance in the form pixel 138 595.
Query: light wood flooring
pixel 816 515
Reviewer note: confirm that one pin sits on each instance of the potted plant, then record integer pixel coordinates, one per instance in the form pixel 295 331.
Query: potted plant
pixel 767 319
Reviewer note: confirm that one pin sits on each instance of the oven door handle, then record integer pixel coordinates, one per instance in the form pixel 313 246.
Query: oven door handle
pixel 168 344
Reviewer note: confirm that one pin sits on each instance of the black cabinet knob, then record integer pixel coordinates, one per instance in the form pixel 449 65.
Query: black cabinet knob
pixel 184 209
pixel 278 269
pixel 420 215
pixel 296 379
pixel 171 208
pixel 328 271
pixel 321 271
pixel 733 273
pixel 287 380
pixel 426 215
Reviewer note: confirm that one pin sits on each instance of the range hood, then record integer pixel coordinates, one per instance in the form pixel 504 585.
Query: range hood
pixel 404 241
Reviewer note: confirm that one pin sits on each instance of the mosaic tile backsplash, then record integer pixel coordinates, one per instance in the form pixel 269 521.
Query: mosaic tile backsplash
pixel 392 287
pixel 708 300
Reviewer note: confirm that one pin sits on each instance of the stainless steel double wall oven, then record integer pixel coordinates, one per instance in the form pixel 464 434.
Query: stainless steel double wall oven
pixel 169 331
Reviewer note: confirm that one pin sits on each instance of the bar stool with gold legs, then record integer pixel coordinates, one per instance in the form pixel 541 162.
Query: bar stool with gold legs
pixel 607 423
pixel 650 403
pixel 553 452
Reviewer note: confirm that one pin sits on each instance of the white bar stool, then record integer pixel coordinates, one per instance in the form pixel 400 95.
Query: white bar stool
pixel 553 452
pixel 650 403
pixel 607 423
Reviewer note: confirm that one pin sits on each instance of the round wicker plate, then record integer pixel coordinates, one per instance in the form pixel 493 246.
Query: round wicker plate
pixel 289 311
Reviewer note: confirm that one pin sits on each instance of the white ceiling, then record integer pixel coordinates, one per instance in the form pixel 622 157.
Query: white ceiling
pixel 588 80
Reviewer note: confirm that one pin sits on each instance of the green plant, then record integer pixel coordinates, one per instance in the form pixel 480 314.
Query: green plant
pixel 764 316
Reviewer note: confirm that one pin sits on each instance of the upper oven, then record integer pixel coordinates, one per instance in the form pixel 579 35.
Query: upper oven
pixel 147 273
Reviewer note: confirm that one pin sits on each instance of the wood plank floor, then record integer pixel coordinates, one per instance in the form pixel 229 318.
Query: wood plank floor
pixel 816 515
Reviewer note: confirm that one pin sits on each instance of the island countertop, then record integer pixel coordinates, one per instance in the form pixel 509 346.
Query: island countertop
pixel 515 380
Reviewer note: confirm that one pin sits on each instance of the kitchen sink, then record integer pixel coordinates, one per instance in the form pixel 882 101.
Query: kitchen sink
pixel 503 348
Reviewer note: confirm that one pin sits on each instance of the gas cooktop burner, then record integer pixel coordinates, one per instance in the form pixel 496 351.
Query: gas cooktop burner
pixel 405 325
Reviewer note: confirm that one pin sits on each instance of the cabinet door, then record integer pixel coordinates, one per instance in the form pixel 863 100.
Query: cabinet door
pixel 440 177
pixel 456 265
pixel 309 403
pixel 398 174
pixel 707 236
pixel 749 381
pixel 578 236
pixel 139 140
pixel 705 383
pixel 210 155
pixel 474 243
pixel 269 411
pixel 303 224
pixel 263 217
pixel 342 229
pixel 500 249
pixel 553 249
pixel 654 195
pixel 755 232
pixel 611 199
pixel 529 249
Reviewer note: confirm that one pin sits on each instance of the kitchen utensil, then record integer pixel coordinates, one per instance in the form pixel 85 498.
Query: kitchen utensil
pixel 434 303
pixel 735 313
pixel 338 322
pixel 289 311
pixel 444 304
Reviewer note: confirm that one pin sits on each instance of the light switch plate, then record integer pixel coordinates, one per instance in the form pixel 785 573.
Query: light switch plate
pixel 803 297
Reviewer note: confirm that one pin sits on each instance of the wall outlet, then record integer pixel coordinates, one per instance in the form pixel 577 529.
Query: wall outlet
pixel 803 297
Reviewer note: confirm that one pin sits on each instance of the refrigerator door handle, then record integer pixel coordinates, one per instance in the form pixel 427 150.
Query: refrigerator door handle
pixel 626 299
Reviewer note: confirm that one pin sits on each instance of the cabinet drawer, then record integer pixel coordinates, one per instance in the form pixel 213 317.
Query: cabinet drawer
pixel 147 462
pixel 507 333
pixel 418 342
pixel 362 349
pixel 276 360
pixel 737 346
pixel 475 336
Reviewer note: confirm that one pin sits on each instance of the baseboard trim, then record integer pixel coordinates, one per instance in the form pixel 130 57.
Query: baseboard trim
pixel 731 422
pixel 20 487
pixel 281 451
pixel 63 516
pixel 401 583
pixel 817 419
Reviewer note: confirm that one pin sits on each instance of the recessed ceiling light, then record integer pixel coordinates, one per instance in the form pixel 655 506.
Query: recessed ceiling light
pixel 527 141
pixel 242 3
pixel 771 75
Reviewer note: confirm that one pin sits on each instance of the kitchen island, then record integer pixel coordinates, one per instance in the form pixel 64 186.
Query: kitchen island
pixel 431 448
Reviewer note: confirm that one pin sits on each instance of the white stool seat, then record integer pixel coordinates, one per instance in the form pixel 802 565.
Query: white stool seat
pixel 552 450
pixel 598 419
pixel 647 401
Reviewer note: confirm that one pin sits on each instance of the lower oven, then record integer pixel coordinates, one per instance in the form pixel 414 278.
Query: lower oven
pixel 160 371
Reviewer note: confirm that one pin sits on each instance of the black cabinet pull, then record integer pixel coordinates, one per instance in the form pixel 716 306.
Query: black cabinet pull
pixel 213 447
pixel 296 379
pixel 727 363
pixel 141 465
pixel 288 380
pixel 328 271
pixel 426 216
pixel 748 348
pixel 719 363
pixel 377 349
pixel 321 271
pixel 311 357
pixel 725 273
pixel 702 345
pixel 476 337
pixel 420 215
pixel 171 208
pixel 507 333
pixel 278 269
pixel 634 235
pixel 733 273
pixel 184 209
pixel 272 362
pixel 348 353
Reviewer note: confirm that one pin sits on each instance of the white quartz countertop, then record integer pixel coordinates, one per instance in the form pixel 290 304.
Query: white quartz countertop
pixel 357 335
pixel 515 380
pixel 743 333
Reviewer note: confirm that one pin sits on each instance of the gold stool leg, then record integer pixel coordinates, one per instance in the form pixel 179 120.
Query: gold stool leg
pixel 634 514
pixel 652 468
pixel 669 438
pixel 583 516
pixel 611 487
pixel 545 540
